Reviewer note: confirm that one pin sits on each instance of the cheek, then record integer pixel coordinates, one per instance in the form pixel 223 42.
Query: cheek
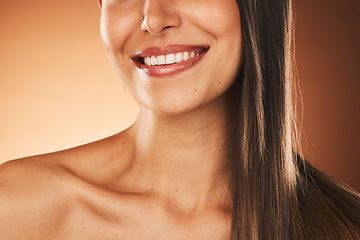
pixel 221 20
pixel 228 31
pixel 225 27
pixel 218 17
pixel 114 29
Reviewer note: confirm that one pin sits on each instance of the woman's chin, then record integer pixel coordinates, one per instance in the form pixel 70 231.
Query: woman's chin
pixel 184 107
pixel 168 111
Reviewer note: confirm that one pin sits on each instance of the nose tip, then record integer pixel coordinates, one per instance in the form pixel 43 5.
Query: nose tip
pixel 155 27
pixel 159 18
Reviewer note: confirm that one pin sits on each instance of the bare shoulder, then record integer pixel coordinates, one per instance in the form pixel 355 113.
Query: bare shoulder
pixel 36 192
pixel 27 175
pixel 29 194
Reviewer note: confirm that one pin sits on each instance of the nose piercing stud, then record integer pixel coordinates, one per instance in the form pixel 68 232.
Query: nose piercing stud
pixel 142 18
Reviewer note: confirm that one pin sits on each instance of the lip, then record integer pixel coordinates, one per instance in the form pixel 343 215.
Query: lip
pixel 164 70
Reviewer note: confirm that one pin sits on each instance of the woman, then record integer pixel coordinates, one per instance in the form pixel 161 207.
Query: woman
pixel 212 154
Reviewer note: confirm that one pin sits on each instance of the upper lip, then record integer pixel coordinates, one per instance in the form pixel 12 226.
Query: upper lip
pixel 163 50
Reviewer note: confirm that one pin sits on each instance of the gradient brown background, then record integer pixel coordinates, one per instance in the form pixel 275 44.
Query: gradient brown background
pixel 58 90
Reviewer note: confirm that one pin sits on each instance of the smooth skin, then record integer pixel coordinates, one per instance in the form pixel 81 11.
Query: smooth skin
pixel 164 177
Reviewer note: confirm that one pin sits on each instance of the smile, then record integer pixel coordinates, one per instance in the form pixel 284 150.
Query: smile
pixel 162 61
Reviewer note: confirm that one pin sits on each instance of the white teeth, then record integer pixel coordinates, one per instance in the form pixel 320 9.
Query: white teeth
pixel 160 60
pixel 153 60
pixel 186 56
pixel 169 58
pixel 178 57
pixel 147 61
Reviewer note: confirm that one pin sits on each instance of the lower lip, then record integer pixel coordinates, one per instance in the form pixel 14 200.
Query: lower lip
pixel 165 70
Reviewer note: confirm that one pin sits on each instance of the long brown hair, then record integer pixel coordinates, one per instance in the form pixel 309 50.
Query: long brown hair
pixel 276 194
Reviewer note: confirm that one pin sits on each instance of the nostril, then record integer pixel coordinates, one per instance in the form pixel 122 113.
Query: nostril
pixel 166 27
pixel 159 19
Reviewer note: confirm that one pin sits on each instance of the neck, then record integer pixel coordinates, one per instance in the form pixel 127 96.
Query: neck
pixel 183 153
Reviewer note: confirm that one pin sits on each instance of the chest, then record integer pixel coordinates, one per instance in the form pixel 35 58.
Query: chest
pixel 138 225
